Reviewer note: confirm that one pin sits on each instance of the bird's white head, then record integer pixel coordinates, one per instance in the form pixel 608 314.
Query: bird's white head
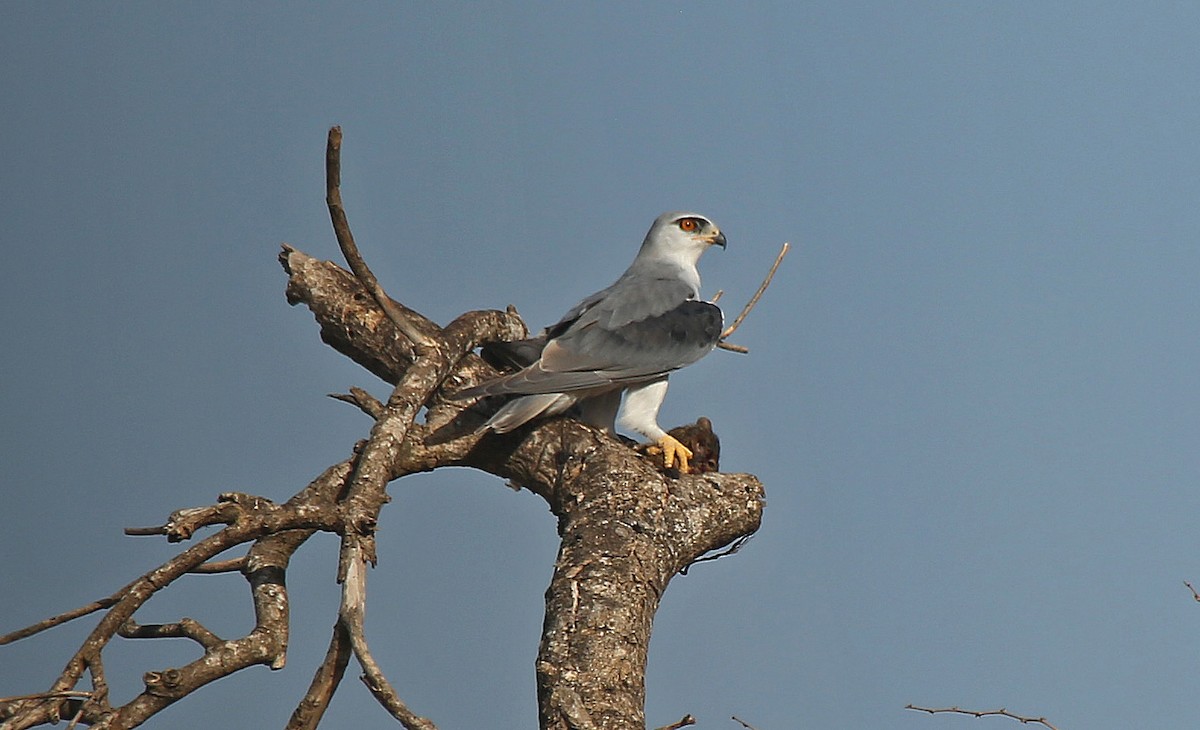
pixel 681 237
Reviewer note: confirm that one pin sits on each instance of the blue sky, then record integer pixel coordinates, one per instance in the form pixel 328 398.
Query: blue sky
pixel 971 392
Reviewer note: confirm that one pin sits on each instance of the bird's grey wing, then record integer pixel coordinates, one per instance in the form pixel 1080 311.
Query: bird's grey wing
pixel 577 311
pixel 643 348
pixel 639 294
pixel 591 356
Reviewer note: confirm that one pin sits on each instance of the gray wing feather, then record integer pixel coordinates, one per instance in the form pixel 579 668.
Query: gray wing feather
pixel 519 411
pixel 590 355
pixel 646 324
pixel 646 292
pixel 643 348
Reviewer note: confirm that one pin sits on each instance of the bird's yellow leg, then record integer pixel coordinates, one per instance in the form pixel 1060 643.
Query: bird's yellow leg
pixel 671 450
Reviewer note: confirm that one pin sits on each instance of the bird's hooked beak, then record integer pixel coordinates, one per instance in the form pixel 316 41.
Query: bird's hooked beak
pixel 716 239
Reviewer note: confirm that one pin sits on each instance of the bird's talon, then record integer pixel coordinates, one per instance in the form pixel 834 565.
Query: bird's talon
pixel 672 450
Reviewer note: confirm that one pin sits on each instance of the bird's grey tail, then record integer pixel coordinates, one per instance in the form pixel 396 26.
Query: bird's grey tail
pixel 519 411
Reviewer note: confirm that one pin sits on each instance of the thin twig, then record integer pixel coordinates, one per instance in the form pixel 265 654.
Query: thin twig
pixel 63 695
pixel 341 228
pixel 185 628
pixel 744 724
pixel 758 294
pixel 682 722
pixel 1195 595
pixel 61 618
pixel 75 720
pixel 750 304
pixel 732 347
pixel 363 400
pixel 183 523
pixel 145 531
pixel 983 713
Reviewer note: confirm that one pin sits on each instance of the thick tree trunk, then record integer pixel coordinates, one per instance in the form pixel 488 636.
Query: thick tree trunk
pixel 627 532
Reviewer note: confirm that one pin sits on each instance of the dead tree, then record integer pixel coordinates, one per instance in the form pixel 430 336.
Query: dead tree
pixel 626 527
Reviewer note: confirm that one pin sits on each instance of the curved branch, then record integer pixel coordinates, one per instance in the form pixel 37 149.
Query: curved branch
pixel 351 615
pixel 415 327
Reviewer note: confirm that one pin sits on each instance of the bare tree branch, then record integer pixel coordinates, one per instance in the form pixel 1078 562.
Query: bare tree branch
pixel 71 694
pixel 61 618
pixel 311 709
pixel 682 722
pixel 185 628
pixel 983 713
pixel 737 322
pixel 233 565
pixel 416 330
pixel 363 400
pixel 352 612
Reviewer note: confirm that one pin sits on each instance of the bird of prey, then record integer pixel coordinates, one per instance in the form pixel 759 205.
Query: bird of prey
pixel 625 339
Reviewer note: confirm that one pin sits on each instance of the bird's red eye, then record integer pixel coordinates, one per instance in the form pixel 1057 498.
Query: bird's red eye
pixel 689 224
